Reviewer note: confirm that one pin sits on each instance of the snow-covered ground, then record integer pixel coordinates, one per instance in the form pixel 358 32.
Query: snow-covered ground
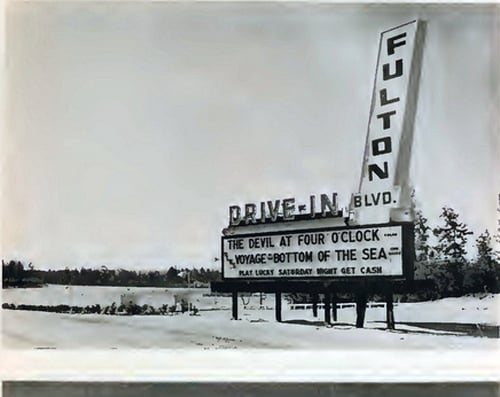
pixel 444 324
pixel 78 295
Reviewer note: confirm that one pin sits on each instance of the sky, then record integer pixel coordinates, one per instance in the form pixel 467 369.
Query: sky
pixel 132 127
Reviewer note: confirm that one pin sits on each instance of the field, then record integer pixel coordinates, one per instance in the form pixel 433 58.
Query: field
pixel 452 323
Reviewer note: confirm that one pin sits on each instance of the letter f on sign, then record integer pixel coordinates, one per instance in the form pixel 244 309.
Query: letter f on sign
pixel 392 43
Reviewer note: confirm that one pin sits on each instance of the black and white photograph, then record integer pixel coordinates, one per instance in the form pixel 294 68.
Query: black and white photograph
pixel 250 175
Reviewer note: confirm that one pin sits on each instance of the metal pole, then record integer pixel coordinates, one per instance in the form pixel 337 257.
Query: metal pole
pixel 389 308
pixel 361 299
pixel 315 305
pixel 334 307
pixel 278 306
pixel 328 309
pixel 235 305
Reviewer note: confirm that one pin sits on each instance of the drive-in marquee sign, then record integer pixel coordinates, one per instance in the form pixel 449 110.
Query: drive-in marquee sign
pixel 319 253
pixel 313 247
pixel 375 240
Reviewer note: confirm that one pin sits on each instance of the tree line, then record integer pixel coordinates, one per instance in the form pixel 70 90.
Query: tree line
pixel 16 274
pixel 446 262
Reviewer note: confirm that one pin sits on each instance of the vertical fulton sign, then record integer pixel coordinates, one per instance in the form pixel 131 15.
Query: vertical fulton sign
pixel 384 190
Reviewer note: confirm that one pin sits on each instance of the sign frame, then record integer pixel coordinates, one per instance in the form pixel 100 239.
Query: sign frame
pixel 407 255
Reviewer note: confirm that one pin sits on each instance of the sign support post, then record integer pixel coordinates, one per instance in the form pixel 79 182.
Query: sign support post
pixel 334 307
pixel 361 299
pixel 315 305
pixel 328 298
pixel 235 305
pixel 278 307
pixel 389 308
